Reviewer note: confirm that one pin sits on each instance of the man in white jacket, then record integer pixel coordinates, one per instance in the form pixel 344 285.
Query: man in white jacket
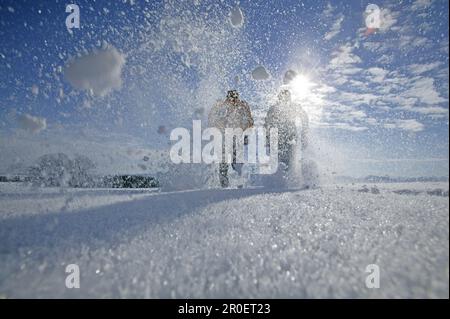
pixel 283 115
pixel 231 113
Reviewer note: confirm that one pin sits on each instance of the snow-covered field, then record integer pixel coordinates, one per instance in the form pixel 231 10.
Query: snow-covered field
pixel 255 243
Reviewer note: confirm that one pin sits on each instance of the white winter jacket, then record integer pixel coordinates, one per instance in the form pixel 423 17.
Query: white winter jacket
pixel 230 114
pixel 284 117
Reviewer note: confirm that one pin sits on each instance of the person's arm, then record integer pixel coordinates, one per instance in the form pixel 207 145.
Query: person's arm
pixel 248 114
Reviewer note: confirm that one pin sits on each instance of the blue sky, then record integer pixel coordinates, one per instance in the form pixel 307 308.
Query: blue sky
pixel 378 104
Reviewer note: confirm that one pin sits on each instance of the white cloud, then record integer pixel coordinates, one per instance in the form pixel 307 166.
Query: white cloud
pixel 98 72
pixel 32 123
pixel 418 69
pixel 343 126
pixel 377 74
pixel 444 46
pixel 385 59
pixel 358 114
pixel 396 160
pixel 328 12
pixel 375 46
pixel 335 28
pixel 420 4
pixel 400 101
pixel 423 89
pixel 388 19
pixel 425 27
pixel 411 125
pixel 344 57
pixel 433 110
pixel 358 99
pixel 325 89
pixel 350 70
pixel 378 88
pixel 411 42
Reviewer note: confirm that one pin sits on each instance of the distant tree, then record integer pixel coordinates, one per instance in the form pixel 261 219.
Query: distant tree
pixel 55 170
pixel 51 170
pixel 131 181
pixel 80 172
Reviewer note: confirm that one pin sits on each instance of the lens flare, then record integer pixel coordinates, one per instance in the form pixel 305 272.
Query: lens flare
pixel 301 86
pixel 307 93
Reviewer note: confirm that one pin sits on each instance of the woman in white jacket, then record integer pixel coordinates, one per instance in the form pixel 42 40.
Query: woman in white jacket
pixel 284 116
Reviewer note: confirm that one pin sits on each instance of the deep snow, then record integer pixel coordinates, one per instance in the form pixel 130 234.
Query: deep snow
pixel 226 243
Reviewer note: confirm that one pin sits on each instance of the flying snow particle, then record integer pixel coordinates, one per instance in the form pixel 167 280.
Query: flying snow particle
pixel 35 89
pixel 289 76
pixel 260 73
pixel 236 17
pixel 161 129
pixel 31 123
pixel 98 72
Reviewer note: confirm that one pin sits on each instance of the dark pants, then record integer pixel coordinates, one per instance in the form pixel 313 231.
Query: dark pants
pixel 223 169
pixel 286 149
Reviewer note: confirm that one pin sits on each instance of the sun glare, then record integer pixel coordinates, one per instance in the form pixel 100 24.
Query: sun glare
pixel 302 89
pixel 301 86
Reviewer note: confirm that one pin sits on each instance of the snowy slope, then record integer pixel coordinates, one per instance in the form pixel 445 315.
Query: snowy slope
pixel 225 243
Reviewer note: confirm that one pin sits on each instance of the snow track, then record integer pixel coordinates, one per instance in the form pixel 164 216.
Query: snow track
pixel 226 243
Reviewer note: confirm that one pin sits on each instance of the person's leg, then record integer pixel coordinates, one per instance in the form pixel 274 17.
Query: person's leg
pixel 236 166
pixel 283 151
pixel 289 154
pixel 223 175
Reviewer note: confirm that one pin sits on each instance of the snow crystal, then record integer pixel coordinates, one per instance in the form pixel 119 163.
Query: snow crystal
pixel 260 73
pixel 98 72
pixel 35 89
pixel 236 17
pixel 289 76
pixel 161 129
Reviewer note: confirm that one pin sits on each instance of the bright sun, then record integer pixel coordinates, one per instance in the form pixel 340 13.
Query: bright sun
pixel 301 86
pixel 302 89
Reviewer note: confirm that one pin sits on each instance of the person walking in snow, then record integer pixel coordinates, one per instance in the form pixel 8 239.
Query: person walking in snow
pixel 283 116
pixel 231 113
